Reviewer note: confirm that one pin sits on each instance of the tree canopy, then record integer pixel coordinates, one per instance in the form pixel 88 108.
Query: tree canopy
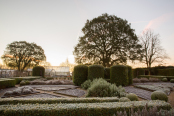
pixel 107 40
pixel 21 54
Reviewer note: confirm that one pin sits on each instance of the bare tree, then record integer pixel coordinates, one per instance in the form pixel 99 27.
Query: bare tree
pixel 153 52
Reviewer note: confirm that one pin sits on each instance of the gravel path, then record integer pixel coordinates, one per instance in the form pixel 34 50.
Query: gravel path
pixel 139 92
pixel 72 92
pixel 42 95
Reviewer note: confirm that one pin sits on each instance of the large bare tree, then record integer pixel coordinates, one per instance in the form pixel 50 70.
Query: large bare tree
pixel 153 51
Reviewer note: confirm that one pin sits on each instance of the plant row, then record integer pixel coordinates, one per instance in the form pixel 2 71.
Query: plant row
pixel 80 109
pixel 57 100
pixel 118 74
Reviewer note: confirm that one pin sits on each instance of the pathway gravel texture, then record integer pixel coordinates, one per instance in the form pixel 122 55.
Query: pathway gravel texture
pixel 139 92
pixel 42 95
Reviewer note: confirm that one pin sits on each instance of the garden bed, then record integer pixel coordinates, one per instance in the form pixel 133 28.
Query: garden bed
pixel 72 92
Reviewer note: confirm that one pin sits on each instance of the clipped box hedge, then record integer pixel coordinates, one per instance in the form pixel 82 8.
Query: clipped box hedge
pixel 57 100
pixel 30 78
pixel 95 71
pixel 80 74
pixel 156 76
pixel 79 109
pixel 119 75
pixel 6 82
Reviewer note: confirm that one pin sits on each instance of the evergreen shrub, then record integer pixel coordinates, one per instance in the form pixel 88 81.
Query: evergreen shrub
pixel 107 73
pixel 80 74
pixel 38 71
pixel 101 88
pixel 132 97
pixel 95 71
pixel 164 79
pixel 138 71
pixel 86 84
pixel 119 75
pixel 130 75
pixel 159 95
pixel 124 99
pixel 172 80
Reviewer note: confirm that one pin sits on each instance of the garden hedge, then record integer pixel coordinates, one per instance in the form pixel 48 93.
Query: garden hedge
pixel 107 73
pixel 130 75
pixel 166 72
pixel 38 71
pixel 156 76
pixel 95 71
pixel 56 100
pixel 119 75
pixel 80 74
pixel 79 109
pixel 138 71
pixel 6 82
pixel 29 78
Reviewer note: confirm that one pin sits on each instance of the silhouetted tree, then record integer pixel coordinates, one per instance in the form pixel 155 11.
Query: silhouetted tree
pixel 21 54
pixel 153 52
pixel 107 40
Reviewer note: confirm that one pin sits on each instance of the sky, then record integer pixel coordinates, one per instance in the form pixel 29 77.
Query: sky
pixel 56 25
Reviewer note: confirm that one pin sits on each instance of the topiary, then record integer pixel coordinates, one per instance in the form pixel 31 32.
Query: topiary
pixel 86 84
pixel 132 97
pixel 172 80
pixel 107 73
pixel 119 75
pixel 159 95
pixel 38 71
pixel 22 83
pixel 124 99
pixel 130 75
pixel 95 71
pixel 164 79
pixel 80 74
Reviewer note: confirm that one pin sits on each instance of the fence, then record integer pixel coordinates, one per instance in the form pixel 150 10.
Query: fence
pixel 14 73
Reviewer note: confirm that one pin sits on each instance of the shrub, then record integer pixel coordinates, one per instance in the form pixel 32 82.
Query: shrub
pixel 86 84
pixel 119 75
pixel 38 71
pixel 164 79
pixel 95 71
pixel 107 73
pixel 159 95
pixel 124 99
pixel 138 71
pixel 80 74
pixel 4 82
pixel 172 80
pixel 132 97
pixel 130 75
pixel 81 109
pixel 101 88
pixel 24 82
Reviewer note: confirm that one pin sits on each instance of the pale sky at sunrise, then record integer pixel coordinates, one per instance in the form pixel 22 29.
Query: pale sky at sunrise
pixel 56 25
